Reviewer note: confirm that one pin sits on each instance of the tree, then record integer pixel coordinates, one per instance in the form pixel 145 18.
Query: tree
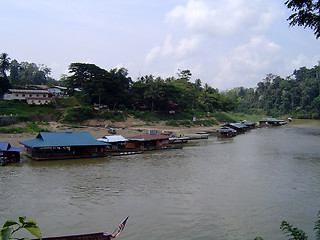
pixel 14 73
pixel 306 13
pixel 97 85
pixel 4 66
pixel 154 93
pixel 184 74
pixel 197 85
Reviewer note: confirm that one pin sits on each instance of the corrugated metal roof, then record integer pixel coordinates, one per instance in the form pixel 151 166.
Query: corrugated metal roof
pixel 226 129
pixel 148 137
pixel 112 139
pixel 29 91
pixel 238 125
pixel 5 146
pixel 62 139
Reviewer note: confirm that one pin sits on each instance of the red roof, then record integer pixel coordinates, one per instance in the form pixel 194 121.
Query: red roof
pixel 27 91
pixel 148 137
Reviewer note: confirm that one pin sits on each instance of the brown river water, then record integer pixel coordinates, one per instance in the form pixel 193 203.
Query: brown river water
pixel 213 188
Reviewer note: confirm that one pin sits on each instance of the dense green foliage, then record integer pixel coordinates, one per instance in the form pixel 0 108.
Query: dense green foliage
pixel 297 95
pixel 78 114
pixel 24 75
pixel 295 233
pixel 115 89
pixel 67 102
pixel 99 86
pixel 113 116
pixel 306 14
pixel 10 227
pixel 24 109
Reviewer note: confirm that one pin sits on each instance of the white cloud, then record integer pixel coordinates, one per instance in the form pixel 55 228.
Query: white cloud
pixel 256 54
pixel 182 49
pixel 226 17
pixel 188 45
pixel 246 64
pixel 152 54
pixel 300 61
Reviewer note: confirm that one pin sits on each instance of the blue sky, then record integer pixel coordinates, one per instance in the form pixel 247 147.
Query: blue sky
pixel 224 43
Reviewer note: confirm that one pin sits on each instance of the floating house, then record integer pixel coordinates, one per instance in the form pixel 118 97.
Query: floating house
pixel 240 128
pixel 64 145
pixel 9 154
pixel 250 125
pixel 271 122
pixel 226 132
pixel 117 142
pixel 148 142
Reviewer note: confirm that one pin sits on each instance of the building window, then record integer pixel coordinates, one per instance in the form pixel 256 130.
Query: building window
pixel 23 95
pixel 30 95
pixel 44 95
pixel 17 95
pixel 37 95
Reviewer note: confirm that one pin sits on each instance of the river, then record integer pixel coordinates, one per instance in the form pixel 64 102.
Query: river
pixel 235 188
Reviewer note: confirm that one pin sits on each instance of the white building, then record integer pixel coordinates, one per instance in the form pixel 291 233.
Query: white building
pixel 57 90
pixel 37 97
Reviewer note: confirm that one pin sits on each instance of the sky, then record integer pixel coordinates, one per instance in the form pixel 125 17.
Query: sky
pixel 224 43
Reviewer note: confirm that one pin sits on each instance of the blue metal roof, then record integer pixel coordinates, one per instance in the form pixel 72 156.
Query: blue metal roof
pixel 62 139
pixel 5 146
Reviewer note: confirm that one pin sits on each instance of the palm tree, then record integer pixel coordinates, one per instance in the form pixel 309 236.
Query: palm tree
pixel 4 64
pixel 154 92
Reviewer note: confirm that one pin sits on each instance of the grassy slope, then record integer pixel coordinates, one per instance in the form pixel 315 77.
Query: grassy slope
pixel 178 119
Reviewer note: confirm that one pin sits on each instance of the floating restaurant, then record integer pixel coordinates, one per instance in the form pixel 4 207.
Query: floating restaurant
pixel 64 145
pixel 148 142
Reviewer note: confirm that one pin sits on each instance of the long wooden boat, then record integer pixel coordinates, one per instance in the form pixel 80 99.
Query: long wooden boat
pixel 176 140
pixel 90 236
pixel 196 136
pixel 124 153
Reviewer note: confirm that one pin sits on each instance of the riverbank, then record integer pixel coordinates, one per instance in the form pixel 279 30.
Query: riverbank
pixel 131 127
